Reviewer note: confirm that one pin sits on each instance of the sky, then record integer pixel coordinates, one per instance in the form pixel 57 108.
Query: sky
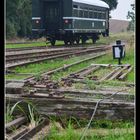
pixel 122 9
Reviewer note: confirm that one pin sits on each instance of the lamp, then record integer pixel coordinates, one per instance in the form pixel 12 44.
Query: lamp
pixel 118 51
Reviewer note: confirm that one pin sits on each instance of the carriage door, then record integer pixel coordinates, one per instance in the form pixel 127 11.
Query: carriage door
pixel 52 15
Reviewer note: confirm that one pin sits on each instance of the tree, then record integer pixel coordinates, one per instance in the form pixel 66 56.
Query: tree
pixel 18 18
pixel 131 16
pixel 112 4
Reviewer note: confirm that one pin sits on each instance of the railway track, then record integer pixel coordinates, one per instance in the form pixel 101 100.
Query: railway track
pixel 68 103
pixel 33 53
pixel 30 58
pixel 44 47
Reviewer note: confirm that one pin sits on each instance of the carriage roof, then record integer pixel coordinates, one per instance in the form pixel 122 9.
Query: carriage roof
pixel 93 2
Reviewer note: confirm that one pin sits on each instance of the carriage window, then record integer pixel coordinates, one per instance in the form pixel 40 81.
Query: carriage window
pixel 103 15
pixel 86 14
pixel 75 13
pixel 90 14
pixel 91 9
pixel 95 14
pixel 75 6
pixel 99 15
pixel 86 8
pixel 80 13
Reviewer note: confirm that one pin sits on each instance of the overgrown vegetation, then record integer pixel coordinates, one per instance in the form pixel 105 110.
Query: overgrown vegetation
pixel 53 64
pixel 18 18
pixel 30 112
pixel 101 41
pixel 99 129
pixel 107 59
pixel 44 66
pixel 9 114
pixel 131 16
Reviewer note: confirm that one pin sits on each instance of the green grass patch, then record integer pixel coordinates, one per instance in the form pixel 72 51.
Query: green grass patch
pixel 102 40
pixel 99 129
pixel 106 59
pixel 70 134
pixel 25 45
pixel 44 66
pixel 14 76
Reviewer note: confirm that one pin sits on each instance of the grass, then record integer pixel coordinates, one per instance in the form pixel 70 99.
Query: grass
pixel 25 45
pixel 43 67
pixel 8 115
pixel 99 130
pixel 107 59
pixel 70 134
pixel 58 75
pixel 30 112
pixel 102 40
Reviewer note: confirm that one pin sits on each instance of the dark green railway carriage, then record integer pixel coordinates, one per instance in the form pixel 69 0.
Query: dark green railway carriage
pixel 70 20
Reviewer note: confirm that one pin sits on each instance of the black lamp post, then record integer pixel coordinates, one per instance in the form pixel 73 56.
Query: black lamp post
pixel 118 51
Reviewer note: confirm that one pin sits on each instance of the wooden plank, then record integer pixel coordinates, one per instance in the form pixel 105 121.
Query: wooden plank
pixel 42 95
pixel 119 72
pixel 15 123
pixel 125 74
pixel 33 131
pixel 93 93
pixel 79 71
pixel 109 75
pixel 15 137
pixel 88 71
pixel 84 107
pixel 111 65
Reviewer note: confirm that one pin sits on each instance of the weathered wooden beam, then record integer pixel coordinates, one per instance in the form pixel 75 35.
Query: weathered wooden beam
pixel 95 94
pixel 118 73
pixel 109 75
pixel 125 74
pixel 107 109
pixel 81 93
pixel 42 95
pixel 16 136
pixel 14 87
pixel 79 71
pixel 88 71
pixel 15 123
pixel 111 65
pixel 28 135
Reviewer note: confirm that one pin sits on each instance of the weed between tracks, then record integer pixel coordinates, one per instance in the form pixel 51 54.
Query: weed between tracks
pixel 107 59
pixel 44 66
pixel 99 130
pixel 103 40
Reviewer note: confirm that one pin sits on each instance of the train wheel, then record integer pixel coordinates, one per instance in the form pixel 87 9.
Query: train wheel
pixel 77 40
pixel 93 40
pixel 84 39
pixel 66 42
pixel 53 42
pixel 71 42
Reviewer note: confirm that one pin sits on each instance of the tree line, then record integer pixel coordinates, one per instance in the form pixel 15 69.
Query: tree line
pixel 18 18
pixel 19 13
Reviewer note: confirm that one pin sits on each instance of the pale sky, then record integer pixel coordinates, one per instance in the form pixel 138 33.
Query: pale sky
pixel 122 9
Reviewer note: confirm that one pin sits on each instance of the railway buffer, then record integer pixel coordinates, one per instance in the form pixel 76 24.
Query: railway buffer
pixel 118 51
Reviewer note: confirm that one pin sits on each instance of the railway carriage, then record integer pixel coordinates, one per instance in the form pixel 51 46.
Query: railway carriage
pixel 70 20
